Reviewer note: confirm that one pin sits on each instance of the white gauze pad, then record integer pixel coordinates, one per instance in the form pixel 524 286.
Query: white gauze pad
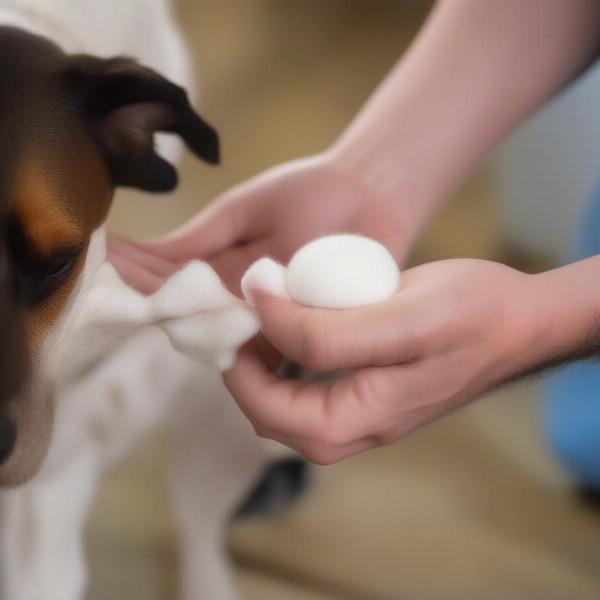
pixel 337 271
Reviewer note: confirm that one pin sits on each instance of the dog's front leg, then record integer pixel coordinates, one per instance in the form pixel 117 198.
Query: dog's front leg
pixel 216 460
pixel 41 534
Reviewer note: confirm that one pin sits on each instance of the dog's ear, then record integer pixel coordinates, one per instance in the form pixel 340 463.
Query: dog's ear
pixel 125 104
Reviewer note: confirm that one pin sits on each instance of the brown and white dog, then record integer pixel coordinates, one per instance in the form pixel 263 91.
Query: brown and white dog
pixel 76 122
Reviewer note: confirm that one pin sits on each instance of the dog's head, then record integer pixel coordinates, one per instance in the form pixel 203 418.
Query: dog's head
pixel 72 128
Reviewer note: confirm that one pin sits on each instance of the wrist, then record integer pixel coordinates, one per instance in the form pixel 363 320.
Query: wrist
pixel 391 185
pixel 568 324
pixel 512 330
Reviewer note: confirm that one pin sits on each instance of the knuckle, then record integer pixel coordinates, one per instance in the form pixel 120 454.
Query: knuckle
pixel 322 435
pixel 365 389
pixel 261 431
pixel 326 442
pixel 337 436
pixel 385 438
pixel 320 455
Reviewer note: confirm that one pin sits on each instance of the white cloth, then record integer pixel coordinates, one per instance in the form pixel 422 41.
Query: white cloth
pixel 201 318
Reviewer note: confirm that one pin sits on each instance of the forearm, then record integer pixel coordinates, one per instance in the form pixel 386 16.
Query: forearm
pixel 472 73
pixel 565 314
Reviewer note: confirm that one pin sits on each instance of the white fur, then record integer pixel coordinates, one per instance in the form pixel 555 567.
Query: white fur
pixel 117 376
pixel 337 271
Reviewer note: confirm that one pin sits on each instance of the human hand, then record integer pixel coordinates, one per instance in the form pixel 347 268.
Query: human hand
pixel 455 329
pixel 272 214
pixel 405 152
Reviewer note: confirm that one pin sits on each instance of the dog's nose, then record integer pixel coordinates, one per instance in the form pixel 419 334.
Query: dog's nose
pixel 8 438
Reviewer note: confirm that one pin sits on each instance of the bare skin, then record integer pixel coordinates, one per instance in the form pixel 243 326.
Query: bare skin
pixel 456 328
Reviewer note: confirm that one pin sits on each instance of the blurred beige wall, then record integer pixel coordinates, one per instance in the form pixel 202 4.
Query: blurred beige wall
pixel 281 79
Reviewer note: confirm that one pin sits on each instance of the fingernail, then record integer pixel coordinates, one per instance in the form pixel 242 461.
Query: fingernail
pixel 249 295
pixel 263 278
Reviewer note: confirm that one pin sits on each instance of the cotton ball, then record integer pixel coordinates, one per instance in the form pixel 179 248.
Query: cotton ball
pixel 338 271
pixel 267 275
pixel 342 271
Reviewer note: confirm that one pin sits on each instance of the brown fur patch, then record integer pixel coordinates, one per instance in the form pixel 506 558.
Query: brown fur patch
pixel 40 210
pixel 47 227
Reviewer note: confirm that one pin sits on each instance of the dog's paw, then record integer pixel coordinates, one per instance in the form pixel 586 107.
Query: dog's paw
pixel 281 483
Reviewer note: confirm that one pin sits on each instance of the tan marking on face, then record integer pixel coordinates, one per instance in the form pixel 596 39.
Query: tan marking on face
pixel 42 215
pixel 60 199
pixel 47 227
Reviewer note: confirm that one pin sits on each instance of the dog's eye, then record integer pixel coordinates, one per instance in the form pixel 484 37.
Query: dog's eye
pixel 53 271
pixel 59 265
pixel 38 279
pixel 36 276
pixel 47 276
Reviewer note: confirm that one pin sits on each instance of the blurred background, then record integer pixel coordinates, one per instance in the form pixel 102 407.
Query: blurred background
pixel 472 507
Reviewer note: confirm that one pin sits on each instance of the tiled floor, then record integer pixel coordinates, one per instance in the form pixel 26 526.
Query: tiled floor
pixel 471 508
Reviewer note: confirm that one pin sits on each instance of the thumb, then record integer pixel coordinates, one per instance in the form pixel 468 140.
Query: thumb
pixel 212 230
pixel 326 340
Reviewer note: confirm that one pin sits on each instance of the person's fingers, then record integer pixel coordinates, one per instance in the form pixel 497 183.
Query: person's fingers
pixel 137 277
pixel 271 357
pixel 262 396
pixel 222 224
pixel 231 264
pixel 382 404
pixel 146 271
pixel 324 421
pixel 325 340
pixel 132 251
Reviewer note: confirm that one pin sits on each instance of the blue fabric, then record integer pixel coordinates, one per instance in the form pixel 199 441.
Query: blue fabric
pixel 571 395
